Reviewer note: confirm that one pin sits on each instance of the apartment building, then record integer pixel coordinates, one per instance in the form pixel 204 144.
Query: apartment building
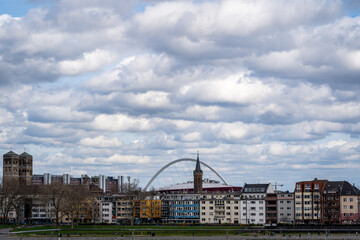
pixel 180 208
pixel 252 205
pixel 349 208
pixel 308 200
pixel 271 208
pixel 218 208
pixel 340 203
pixel 107 209
pixel 125 209
pixel 150 210
pixel 285 207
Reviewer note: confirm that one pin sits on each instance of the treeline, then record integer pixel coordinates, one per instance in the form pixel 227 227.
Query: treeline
pixel 61 201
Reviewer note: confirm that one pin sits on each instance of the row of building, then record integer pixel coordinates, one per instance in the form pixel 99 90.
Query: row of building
pixel 316 202
pixel 199 201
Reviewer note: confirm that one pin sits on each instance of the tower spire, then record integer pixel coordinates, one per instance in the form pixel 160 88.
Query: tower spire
pixel 198 174
pixel 197 168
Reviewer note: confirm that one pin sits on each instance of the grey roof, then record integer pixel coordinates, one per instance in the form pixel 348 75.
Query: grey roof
pixel 255 188
pixel 333 186
pixel 349 189
pixel 25 154
pixel 340 187
pixel 197 168
pixel 11 153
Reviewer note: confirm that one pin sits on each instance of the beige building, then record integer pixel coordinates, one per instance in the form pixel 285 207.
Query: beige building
pixel 349 204
pixel 308 200
pixel 217 208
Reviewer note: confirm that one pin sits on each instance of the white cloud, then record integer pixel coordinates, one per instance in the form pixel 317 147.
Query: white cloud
pixel 119 122
pixel 259 87
pixel 89 62
pixel 101 142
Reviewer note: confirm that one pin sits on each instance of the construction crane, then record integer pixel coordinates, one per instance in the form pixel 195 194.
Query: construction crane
pixel 276 185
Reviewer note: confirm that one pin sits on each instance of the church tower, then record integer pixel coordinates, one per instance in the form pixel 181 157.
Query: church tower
pixel 25 169
pixel 10 168
pixel 198 175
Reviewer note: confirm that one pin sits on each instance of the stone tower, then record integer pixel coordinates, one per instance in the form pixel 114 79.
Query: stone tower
pixel 10 168
pixel 25 169
pixel 198 175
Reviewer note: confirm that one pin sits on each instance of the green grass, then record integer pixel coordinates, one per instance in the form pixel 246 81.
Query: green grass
pixel 143 230
pixel 6 226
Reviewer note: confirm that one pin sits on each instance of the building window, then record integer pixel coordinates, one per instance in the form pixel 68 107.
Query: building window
pixel 344 199
pixel 351 199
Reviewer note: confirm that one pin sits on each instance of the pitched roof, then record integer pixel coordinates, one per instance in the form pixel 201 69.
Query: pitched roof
pixel 11 153
pixel 341 187
pixel 333 186
pixel 25 154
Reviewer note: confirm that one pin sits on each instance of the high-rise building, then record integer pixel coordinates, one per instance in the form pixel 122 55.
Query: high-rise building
pixel 198 177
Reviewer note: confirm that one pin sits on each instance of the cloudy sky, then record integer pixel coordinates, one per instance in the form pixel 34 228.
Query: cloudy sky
pixel 265 90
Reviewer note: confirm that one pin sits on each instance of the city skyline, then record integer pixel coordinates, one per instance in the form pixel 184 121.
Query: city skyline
pixel 266 91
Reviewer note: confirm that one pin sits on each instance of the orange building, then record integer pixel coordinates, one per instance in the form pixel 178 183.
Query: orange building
pixel 150 209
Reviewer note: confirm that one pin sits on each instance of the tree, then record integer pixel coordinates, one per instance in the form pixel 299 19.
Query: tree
pixel 150 205
pixel 133 195
pixel 75 199
pixel 8 192
pixel 55 195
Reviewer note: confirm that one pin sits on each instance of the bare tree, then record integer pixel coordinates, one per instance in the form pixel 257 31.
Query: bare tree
pixel 8 192
pixel 133 194
pixel 150 205
pixel 55 195
pixel 18 203
pixel 75 199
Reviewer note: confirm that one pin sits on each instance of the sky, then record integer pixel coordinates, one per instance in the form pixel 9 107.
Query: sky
pixel 266 91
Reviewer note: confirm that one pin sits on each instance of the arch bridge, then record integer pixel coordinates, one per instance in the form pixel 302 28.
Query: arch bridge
pixel 182 160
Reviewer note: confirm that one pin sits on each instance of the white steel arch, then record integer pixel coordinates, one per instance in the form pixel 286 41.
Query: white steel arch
pixel 182 160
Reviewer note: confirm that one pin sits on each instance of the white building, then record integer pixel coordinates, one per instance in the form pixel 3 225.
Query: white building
pixel 107 210
pixel 252 204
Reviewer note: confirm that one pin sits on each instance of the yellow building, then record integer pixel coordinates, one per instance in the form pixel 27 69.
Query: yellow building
pixel 150 209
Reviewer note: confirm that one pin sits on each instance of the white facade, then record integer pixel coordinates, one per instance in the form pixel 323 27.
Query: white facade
pixel 47 178
pixel 252 210
pixel 106 212
pixel 102 182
